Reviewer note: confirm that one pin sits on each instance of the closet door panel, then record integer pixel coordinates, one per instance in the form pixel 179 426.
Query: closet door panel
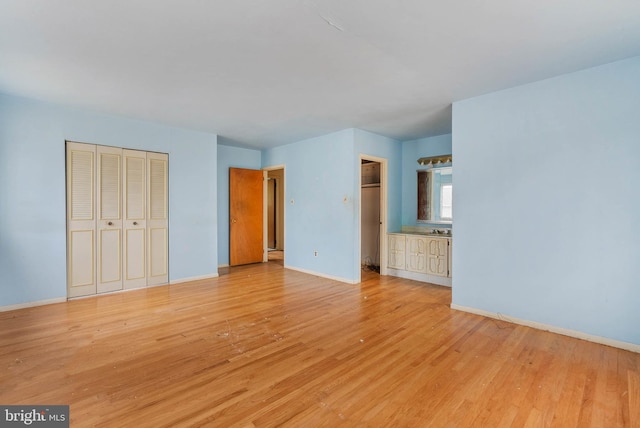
pixel 135 224
pixel 109 222
pixel 157 218
pixel 81 220
pixel 158 246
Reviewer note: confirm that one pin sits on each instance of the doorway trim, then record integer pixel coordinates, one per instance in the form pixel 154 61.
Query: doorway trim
pixel 265 202
pixel 383 213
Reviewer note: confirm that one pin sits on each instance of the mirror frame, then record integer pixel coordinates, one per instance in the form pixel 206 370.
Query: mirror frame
pixel 424 196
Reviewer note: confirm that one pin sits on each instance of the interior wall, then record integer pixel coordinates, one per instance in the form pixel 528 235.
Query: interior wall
pixel 547 202
pixel 319 203
pixel 411 152
pixel 370 144
pixel 32 185
pixel 230 157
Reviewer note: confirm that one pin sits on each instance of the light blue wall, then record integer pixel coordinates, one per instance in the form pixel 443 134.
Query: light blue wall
pixel 368 143
pixel 32 185
pixel 319 211
pixel 539 234
pixel 320 173
pixel 411 152
pixel 230 157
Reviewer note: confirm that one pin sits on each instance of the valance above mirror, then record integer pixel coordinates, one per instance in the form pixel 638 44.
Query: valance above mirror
pixel 435 160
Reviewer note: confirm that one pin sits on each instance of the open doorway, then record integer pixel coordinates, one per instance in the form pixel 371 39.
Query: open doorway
pixel 371 214
pixel 274 216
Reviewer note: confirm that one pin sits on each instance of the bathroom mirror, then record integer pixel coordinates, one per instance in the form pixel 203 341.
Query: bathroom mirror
pixel 435 195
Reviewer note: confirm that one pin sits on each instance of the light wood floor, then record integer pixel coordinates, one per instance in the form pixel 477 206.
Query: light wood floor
pixel 264 346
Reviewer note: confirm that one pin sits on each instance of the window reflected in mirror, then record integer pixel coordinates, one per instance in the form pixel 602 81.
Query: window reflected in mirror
pixel 435 196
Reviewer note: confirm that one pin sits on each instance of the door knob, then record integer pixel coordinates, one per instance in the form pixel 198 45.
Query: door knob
pixel 135 223
pixel 110 223
pixel 234 221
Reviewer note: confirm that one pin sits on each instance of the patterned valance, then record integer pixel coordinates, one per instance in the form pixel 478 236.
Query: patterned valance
pixel 435 160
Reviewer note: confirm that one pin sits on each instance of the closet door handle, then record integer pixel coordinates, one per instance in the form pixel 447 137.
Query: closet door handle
pixel 110 223
pixel 135 223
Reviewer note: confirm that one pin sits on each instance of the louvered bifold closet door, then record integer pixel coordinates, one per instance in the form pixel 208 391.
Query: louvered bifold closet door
pixel 109 224
pixel 157 218
pixel 117 215
pixel 135 213
pixel 81 221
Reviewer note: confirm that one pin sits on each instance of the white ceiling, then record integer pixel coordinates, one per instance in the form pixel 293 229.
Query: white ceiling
pixel 262 73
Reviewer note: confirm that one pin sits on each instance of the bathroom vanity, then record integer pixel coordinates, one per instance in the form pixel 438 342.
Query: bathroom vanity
pixel 422 257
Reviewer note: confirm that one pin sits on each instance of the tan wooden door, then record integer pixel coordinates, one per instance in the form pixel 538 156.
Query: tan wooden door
pixel 245 216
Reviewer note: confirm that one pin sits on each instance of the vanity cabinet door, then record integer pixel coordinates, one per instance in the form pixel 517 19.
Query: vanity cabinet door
pixel 449 269
pixel 416 254
pixel 396 251
pixel 438 256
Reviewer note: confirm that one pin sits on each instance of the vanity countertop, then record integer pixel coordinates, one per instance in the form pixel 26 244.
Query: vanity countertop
pixel 434 234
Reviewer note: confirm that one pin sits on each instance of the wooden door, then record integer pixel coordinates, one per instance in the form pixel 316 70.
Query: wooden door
pixel 109 219
pixel 157 218
pixel 134 226
pixel 81 221
pixel 245 216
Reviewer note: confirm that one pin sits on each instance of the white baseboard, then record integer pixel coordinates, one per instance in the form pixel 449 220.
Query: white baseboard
pixel 223 266
pixel 322 275
pixel 193 278
pixel 422 277
pixel 32 304
pixel 553 329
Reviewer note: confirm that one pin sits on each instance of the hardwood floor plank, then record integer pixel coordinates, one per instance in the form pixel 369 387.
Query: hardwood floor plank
pixel 262 346
pixel 634 398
